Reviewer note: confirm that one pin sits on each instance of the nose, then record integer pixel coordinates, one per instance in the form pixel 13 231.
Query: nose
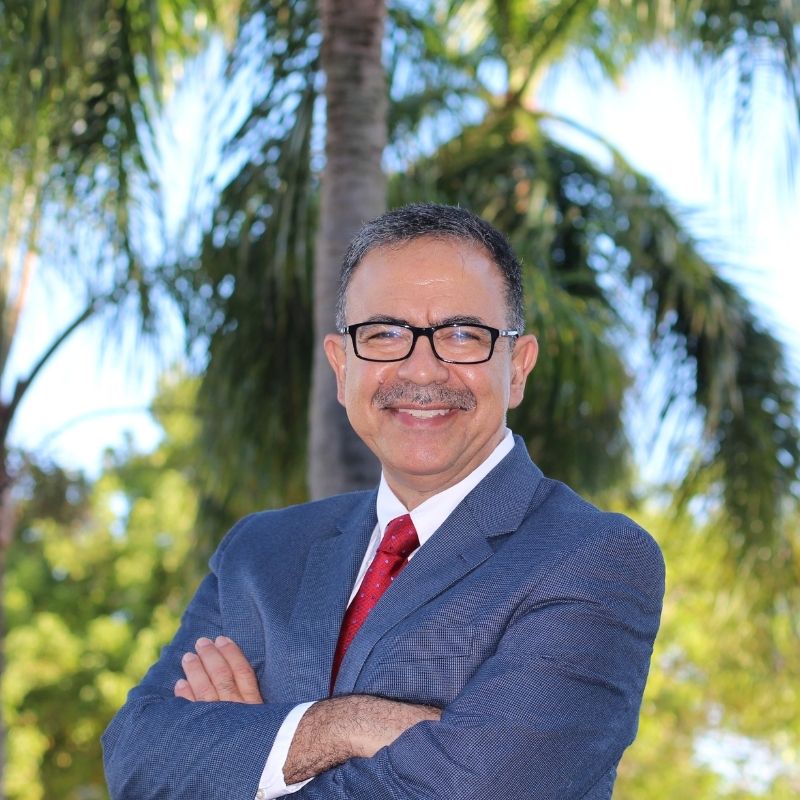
pixel 422 366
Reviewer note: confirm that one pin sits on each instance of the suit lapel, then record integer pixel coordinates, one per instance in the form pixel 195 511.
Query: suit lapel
pixel 495 507
pixel 328 578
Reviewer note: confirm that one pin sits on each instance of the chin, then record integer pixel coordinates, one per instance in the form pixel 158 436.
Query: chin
pixel 424 467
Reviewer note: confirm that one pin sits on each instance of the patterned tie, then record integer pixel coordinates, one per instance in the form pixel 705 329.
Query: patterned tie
pixel 399 541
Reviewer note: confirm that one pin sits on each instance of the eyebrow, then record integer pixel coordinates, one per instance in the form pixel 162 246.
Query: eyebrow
pixel 459 319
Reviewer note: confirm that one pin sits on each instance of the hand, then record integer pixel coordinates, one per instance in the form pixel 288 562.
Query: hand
pixel 335 730
pixel 219 671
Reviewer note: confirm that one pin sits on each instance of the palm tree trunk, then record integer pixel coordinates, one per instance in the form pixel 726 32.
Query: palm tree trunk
pixel 353 191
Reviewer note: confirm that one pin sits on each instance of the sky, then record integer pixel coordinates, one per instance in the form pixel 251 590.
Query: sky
pixel 737 200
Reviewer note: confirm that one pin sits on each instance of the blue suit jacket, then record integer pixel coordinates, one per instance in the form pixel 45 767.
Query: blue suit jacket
pixel 529 617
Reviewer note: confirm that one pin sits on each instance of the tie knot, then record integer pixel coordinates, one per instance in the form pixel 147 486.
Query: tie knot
pixel 400 537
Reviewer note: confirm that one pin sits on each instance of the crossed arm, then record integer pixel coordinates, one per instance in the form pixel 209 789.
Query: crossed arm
pixel 547 713
pixel 331 732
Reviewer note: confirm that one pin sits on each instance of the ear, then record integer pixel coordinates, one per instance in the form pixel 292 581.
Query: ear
pixel 334 345
pixel 523 360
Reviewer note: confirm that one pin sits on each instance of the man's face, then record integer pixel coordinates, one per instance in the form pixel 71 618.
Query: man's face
pixel 429 423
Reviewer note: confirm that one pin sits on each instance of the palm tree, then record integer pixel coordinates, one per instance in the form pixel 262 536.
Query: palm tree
pixel 77 82
pixel 78 87
pixel 590 235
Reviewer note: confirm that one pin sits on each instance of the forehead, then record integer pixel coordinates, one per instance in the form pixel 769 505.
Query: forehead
pixel 428 276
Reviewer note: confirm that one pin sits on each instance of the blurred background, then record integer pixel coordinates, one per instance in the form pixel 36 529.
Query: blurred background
pixel 164 245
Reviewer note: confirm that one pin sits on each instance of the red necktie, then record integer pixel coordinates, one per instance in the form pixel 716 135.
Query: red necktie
pixel 398 542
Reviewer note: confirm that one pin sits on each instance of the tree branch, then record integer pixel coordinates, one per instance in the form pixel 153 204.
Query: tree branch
pixel 24 383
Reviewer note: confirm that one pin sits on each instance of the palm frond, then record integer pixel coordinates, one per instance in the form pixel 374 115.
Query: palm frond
pixel 751 442
pixel 248 291
pixel 77 84
pixel 571 417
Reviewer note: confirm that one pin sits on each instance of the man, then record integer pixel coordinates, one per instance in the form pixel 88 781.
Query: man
pixel 495 645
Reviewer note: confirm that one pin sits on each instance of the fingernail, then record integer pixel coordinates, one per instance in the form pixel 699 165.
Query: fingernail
pixel 221 641
pixel 203 642
pixel 181 684
pixel 189 657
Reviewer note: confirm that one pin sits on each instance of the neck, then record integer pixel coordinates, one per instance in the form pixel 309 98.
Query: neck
pixel 411 497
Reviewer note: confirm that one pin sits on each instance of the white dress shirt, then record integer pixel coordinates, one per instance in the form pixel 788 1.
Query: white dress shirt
pixel 427 518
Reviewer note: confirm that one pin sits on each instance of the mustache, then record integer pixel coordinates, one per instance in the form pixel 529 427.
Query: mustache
pixel 408 392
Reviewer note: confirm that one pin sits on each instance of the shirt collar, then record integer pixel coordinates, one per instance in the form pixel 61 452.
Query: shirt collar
pixel 428 516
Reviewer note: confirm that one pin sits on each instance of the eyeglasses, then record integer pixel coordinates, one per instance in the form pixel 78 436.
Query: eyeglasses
pixel 452 343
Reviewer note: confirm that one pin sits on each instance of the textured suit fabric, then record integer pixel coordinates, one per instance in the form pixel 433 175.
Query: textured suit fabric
pixel 529 617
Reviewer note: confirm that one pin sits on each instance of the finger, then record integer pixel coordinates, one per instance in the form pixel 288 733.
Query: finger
pixel 218 671
pixel 243 673
pixel 184 690
pixel 198 679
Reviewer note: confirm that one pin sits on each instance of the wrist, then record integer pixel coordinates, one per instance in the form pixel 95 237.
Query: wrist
pixel 323 739
pixel 351 726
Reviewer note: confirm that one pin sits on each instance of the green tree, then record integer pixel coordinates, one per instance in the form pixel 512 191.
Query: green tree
pixel 97 581
pixel 721 689
pixel 78 82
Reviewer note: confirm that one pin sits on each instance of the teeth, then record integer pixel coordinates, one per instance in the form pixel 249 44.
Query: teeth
pixel 427 414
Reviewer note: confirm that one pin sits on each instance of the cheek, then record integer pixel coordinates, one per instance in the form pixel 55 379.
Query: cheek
pixel 360 382
pixel 490 386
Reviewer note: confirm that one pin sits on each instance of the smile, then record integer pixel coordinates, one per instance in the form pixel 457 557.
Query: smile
pixel 424 413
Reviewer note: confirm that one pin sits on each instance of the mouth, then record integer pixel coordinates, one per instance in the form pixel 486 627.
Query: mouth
pixel 410 401
pixel 422 419
pixel 425 413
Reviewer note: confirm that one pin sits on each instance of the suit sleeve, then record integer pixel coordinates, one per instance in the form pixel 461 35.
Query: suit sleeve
pixel 160 746
pixel 549 714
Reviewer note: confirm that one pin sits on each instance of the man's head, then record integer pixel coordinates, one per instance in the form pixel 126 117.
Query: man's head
pixel 403 225
pixel 430 421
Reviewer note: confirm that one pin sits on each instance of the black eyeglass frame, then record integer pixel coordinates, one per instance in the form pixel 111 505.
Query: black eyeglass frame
pixel 495 333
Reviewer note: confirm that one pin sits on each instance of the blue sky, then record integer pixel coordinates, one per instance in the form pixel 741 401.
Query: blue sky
pixel 737 199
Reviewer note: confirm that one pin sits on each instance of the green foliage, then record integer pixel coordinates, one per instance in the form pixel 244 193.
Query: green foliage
pixel 78 82
pixel 721 671
pixel 96 583
pixel 758 36
pixel 77 76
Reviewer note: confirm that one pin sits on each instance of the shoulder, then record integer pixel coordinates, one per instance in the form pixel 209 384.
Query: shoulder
pixel 559 508
pixel 277 528
pixel 575 529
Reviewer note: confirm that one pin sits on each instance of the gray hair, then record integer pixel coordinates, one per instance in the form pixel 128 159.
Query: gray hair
pixel 403 225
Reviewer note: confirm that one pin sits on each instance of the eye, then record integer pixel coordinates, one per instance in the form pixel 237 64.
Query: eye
pixel 462 334
pixel 381 334
pixel 384 332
